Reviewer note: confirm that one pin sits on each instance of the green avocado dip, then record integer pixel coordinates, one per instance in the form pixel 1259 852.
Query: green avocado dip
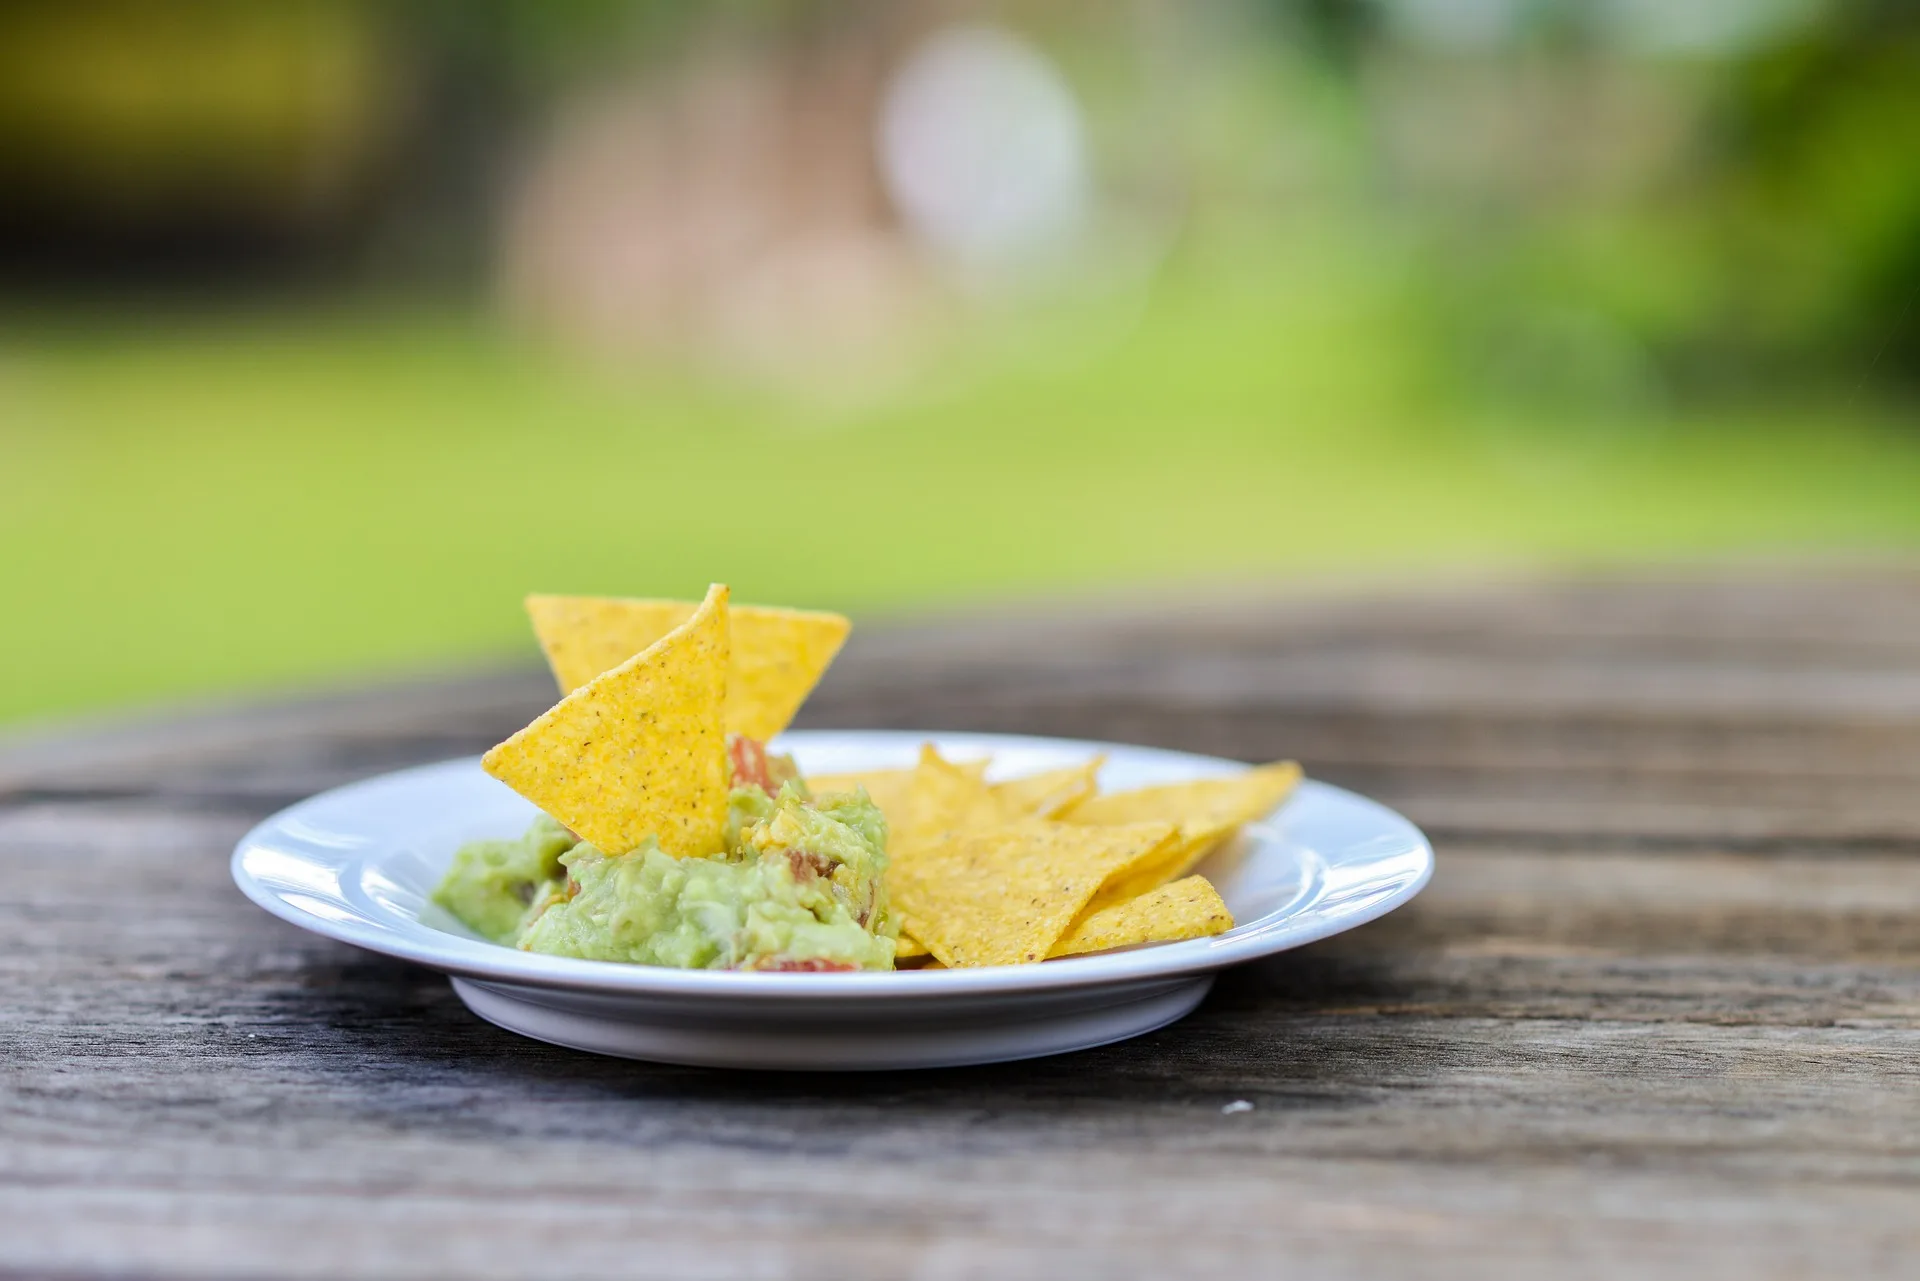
pixel 799 887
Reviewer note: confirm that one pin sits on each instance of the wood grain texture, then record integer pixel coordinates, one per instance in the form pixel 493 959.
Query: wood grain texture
pixel 1658 1014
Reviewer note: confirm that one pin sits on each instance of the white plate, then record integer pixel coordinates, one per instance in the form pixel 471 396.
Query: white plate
pixel 358 864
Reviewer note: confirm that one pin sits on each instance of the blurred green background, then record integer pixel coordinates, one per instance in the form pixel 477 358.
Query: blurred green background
pixel 329 329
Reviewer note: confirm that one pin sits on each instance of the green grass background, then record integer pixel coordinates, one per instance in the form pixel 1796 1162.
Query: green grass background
pixel 226 503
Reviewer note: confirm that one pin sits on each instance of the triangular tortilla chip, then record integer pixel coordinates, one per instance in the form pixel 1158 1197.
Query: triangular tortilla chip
pixel 952 796
pixel 639 750
pixel 1047 794
pixel 1206 810
pixel 964 799
pixel 946 793
pixel 778 655
pixel 941 797
pixel 1186 909
pixel 1197 805
pixel 1005 896
pixel 1144 877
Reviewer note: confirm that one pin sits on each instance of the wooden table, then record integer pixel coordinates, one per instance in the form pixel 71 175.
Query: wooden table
pixel 1657 1015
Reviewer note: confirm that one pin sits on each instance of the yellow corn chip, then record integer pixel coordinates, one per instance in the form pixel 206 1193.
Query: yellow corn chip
pixel 1146 870
pixel 1048 794
pixel 1004 896
pixel 1206 810
pixel 778 655
pixel 1044 795
pixel 1186 909
pixel 942 796
pixel 1148 874
pixel 1202 803
pixel 947 792
pixel 639 750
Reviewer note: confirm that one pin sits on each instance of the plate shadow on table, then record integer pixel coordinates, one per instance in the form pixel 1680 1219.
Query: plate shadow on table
pixel 1301 1031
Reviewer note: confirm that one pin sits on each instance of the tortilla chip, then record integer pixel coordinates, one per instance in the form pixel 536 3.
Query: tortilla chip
pixel 778 655
pixel 947 792
pixel 942 796
pixel 1202 803
pixel 1186 909
pixel 1164 866
pixel 1207 810
pixel 1005 896
pixel 639 750
pixel 1046 795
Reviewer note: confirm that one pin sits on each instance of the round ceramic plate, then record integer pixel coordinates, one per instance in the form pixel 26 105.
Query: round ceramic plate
pixel 358 864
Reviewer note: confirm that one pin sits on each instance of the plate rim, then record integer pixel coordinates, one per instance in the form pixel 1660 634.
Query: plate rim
pixel 446 953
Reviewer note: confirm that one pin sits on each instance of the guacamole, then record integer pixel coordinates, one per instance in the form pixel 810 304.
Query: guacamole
pixel 493 884
pixel 798 887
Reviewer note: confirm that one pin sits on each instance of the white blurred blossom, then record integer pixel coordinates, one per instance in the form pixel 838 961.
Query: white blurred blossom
pixel 982 149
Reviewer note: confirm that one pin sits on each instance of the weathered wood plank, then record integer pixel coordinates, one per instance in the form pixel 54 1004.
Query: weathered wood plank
pixel 441 1152
pixel 1312 1217
pixel 1659 1012
pixel 1402 666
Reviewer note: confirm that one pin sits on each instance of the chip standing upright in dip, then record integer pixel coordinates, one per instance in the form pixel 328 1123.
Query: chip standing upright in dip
pixel 672 837
pixel 775 880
